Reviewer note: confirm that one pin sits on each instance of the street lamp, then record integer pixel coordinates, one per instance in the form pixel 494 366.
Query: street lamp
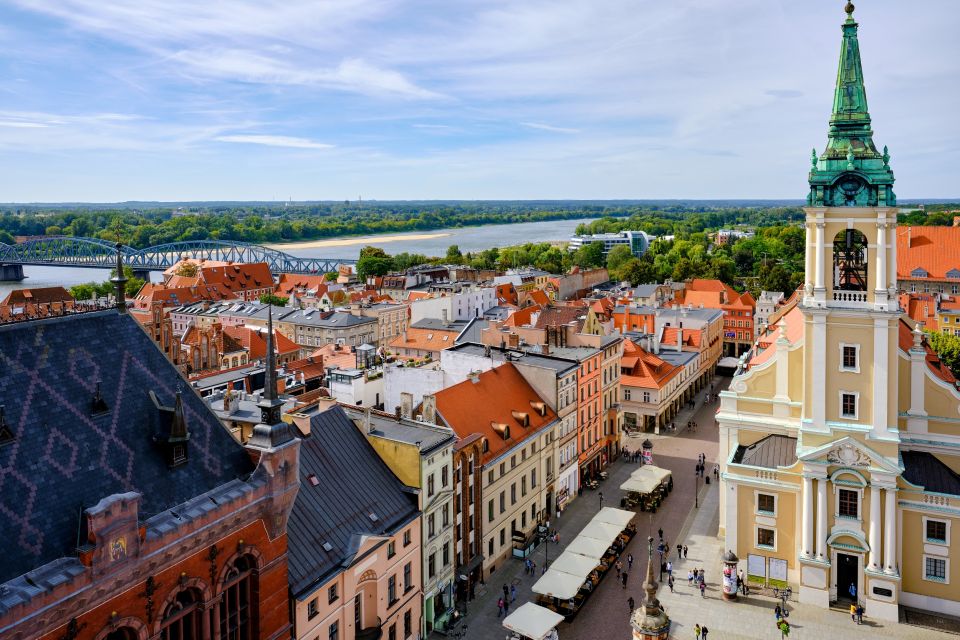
pixel 601 500
pixel 545 535
pixel 696 489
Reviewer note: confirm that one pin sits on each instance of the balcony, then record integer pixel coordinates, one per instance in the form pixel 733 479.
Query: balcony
pixel 850 296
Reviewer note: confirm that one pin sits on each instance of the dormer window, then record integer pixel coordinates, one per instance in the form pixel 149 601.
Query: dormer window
pixel 920 272
pixel 953 273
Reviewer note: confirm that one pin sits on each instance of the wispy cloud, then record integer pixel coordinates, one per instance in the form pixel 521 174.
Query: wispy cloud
pixel 548 127
pixel 275 141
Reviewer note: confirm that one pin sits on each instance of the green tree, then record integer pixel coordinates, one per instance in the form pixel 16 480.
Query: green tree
pixel 85 291
pixel 776 278
pixel 373 262
pixel 453 254
pixel 947 347
pixel 618 256
pixel 277 301
pixel 331 276
pixel 638 271
pixel 589 255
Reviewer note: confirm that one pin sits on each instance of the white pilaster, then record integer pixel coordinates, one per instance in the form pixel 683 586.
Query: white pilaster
pixel 881 366
pixel 821 256
pixel 918 364
pixel 807 549
pixel 890 531
pixel 819 373
pixel 873 561
pixel 808 250
pixel 881 289
pixel 731 514
pixel 892 266
pixel 822 520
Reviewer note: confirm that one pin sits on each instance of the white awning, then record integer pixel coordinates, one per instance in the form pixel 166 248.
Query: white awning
pixel 532 620
pixel 611 515
pixel 651 471
pixel 557 584
pixel 601 531
pixel 729 362
pixel 594 549
pixel 639 485
pixel 574 564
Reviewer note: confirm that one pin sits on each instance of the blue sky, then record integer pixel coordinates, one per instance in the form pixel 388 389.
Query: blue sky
pixel 390 99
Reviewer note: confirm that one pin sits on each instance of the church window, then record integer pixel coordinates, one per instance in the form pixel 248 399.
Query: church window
pixel 847 503
pixel 238 616
pixel 848 405
pixel 766 538
pixel 182 617
pixel 850 261
pixel 935 569
pixel 766 503
pixel 850 357
pixel 936 531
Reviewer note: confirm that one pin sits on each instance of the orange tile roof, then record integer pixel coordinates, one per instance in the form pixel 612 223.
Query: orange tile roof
pixel 640 368
pixel 644 322
pixel 936 250
pixel 290 282
pixel 334 355
pixel 413 296
pixel 38 295
pixel 254 341
pixel 311 367
pixel 176 296
pixel 905 341
pixel 521 317
pixel 794 322
pixel 689 337
pixel 435 340
pixel 554 316
pixel 180 282
pixel 498 397
pixel 238 277
pixel 539 297
pixel 922 307
pixel 507 294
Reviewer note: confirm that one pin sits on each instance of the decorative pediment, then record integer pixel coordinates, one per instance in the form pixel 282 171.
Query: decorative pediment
pixel 850 452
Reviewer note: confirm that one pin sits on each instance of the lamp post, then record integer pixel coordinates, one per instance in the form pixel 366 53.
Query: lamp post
pixel 601 500
pixel 696 489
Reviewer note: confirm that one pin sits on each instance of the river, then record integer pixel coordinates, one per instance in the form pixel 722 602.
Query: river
pixel 430 243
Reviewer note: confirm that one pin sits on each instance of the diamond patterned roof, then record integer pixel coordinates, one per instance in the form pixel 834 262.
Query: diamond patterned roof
pixel 63 460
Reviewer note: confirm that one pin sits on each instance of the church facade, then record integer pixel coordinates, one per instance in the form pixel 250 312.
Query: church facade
pixel 840 441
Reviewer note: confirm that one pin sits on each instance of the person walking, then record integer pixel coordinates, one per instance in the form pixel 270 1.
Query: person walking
pixel 853 591
pixel 859 614
pixel 778 612
pixel 624 576
pixel 690 577
pixel 506 593
pixel 660 532
pixel 703 589
pixel 506 607
pixel 684 552
pixel 670 583
pixel 630 603
pixel 696 630
pixel 679 551
pixel 853 612
pixel 669 568
pixel 513 593
pixel 618 566
pixel 630 561
pixel 499 607
pixel 533 568
pixel 703 632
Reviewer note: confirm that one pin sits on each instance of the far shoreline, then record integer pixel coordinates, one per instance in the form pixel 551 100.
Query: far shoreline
pixel 346 241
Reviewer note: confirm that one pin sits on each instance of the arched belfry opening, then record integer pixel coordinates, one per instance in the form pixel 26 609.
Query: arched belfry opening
pixel 850 261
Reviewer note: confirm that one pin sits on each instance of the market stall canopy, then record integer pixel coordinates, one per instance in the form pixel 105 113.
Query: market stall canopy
pixel 532 621
pixel 602 531
pixel 657 472
pixel 557 584
pixel 611 515
pixel 574 564
pixel 588 547
pixel 639 485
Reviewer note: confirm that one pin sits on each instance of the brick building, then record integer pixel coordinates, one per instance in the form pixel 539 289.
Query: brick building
pixel 148 519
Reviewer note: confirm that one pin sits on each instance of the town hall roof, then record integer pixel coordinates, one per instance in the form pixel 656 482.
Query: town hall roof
pixel 68 451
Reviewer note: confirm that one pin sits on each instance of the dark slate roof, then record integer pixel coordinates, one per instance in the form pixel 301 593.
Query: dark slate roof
pixel 770 452
pixel 64 460
pixel 352 483
pixel 926 470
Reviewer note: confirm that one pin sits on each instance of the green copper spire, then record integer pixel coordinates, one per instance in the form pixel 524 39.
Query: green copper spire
pixel 850 172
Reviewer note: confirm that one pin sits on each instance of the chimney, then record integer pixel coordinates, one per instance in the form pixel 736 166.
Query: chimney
pixel 430 409
pixel 444 314
pixel 406 405
pixel 679 339
pixel 545 350
pixel 486 350
pixel 367 427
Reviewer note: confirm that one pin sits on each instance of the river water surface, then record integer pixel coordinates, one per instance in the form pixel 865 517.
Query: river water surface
pixel 430 243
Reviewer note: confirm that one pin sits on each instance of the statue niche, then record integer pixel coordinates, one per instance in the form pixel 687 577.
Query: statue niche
pixel 850 261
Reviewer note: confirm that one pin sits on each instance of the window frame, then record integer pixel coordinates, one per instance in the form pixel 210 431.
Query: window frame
pixel 756 537
pixel 843 367
pixel 856 405
pixel 333 593
pixel 858 497
pixel 946 522
pixel 946 568
pixel 756 504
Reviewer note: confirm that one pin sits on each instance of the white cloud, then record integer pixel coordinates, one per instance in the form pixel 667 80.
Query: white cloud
pixel 275 141
pixel 548 127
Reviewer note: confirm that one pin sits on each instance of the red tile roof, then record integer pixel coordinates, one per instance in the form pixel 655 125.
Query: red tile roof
pixel 689 337
pixel 169 296
pixel 640 368
pixel 495 406
pixel 521 317
pixel 239 277
pixel 558 316
pixel 922 307
pixel 936 250
pixel 290 282
pixel 905 341
pixel 434 340
pixel 254 341
pixel 38 295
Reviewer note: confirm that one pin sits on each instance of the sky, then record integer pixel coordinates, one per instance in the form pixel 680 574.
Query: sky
pixel 459 99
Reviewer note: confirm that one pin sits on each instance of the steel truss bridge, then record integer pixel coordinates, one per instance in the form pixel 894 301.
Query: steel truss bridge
pixel 69 251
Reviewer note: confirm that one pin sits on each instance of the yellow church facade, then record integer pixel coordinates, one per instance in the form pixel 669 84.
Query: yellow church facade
pixel 840 433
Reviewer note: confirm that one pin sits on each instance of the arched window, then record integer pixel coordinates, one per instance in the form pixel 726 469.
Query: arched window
pixel 238 601
pixel 850 261
pixel 182 617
